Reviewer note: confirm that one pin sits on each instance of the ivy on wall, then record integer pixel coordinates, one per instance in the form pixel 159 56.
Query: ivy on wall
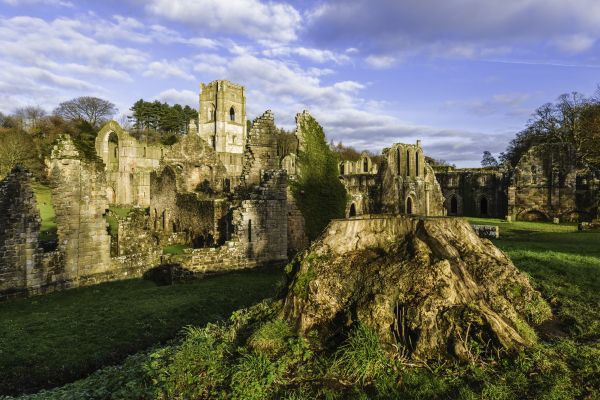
pixel 318 191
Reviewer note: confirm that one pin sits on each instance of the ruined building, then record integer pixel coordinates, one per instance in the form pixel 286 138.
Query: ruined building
pixel 221 193
pixel 403 182
pixel 546 183
pixel 221 196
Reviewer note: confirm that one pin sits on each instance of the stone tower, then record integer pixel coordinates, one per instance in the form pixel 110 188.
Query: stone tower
pixel 222 123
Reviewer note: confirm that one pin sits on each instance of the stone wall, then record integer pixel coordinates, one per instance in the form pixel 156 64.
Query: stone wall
pixel 187 195
pixel 259 233
pixel 296 232
pixel 261 149
pixel 79 197
pixel 475 192
pixel 405 184
pixel 19 232
pixel 547 183
pixel 127 163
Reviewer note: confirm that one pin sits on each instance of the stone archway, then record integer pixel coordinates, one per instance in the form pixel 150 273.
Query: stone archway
pixel 410 206
pixel 352 212
pixel 483 206
pixel 453 205
pixel 533 215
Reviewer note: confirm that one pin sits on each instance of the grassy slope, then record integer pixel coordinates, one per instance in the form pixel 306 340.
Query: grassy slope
pixel 53 339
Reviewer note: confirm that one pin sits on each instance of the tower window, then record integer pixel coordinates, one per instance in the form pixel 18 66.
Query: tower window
pixel 231 114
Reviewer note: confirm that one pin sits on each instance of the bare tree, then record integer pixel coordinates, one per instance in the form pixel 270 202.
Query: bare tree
pixel 30 117
pixel 90 109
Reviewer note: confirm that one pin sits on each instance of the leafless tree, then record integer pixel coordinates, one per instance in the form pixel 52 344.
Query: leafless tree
pixel 30 117
pixel 90 109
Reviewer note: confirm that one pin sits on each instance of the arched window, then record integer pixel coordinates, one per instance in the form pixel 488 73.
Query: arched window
pixel 342 168
pixel 407 162
pixel 144 152
pixel 483 206
pixel 250 231
pixel 352 212
pixel 409 205
pixel 365 164
pixel 398 160
pixel 417 164
pixel 453 206
pixel 231 114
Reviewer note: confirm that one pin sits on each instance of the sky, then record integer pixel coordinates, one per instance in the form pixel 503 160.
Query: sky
pixel 463 76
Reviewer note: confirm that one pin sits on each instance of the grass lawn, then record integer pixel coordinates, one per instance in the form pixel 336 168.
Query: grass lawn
pixel 112 220
pixel 175 249
pixel 49 340
pixel 212 362
pixel 565 266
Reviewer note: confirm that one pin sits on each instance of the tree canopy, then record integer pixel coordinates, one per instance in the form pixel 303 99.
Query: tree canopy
pixel 488 160
pixel 92 110
pixel 572 119
pixel 161 117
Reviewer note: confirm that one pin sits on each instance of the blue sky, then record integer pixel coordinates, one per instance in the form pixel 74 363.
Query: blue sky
pixel 461 75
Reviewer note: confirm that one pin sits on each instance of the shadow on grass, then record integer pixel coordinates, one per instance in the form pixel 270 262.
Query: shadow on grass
pixel 53 339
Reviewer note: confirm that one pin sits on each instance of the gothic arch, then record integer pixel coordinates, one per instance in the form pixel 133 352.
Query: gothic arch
pixel 102 139
pixel 352 212
pixel 232 114
pixel 410 204
pixel 483 206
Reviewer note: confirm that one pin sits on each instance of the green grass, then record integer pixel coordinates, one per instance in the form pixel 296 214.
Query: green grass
pixel 175 249
pixel 53 339
pixel 43 197
pixel 564 264
pixel 257 356
pixel 113 219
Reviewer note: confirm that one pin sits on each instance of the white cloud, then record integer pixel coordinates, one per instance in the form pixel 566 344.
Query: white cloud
pixel 574 43
pixel 380 62
pixel 251 18
pixel 316 55
pixel 60 3
pixel 183 97
pixel 165 69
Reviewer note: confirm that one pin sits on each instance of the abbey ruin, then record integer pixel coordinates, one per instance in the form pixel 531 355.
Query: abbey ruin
pixel 222 192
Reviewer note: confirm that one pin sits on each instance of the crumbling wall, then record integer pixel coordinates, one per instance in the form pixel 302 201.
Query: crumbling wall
pixel 547 184
pixel 127 163
pixel 296 231
pixel 197 166
pixel 409 185
pixel 259 233
pixel 24 267
pixel 474 192
pixel 79 196
pixel 19 231
pixel 261 149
